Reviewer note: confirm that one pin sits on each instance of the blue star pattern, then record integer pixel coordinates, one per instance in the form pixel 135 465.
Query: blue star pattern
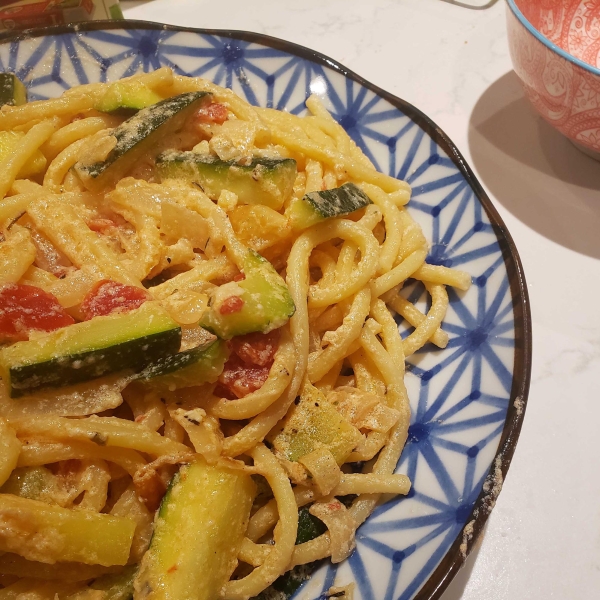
pixel 460 395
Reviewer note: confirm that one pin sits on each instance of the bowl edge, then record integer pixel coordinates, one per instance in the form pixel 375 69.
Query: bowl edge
pixel 512 5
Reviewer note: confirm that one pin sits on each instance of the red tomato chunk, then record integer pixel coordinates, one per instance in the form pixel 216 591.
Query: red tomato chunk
pixel 212 113
pixel 107 297
pixel 239 379
pixel 257 348
pixel 26 308
pixel 248 367
pixel 231 305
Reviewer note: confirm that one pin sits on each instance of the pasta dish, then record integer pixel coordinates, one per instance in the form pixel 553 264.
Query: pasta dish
pixel 202 379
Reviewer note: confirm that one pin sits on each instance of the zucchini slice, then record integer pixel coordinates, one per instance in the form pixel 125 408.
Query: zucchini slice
pixel 198 533
pixel 114 153
pixel 87 350
pixel 314 423
pixel 309 526
pixel 127 96
pixel 12 90
pixel 117 586
pixel 264 301
pixel 188 368
pixel 35 483
pixel 285 586
pixel 255 180
pixel 318 206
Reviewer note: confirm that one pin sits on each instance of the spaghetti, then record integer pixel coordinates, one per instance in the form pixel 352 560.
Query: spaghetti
pixel 307 403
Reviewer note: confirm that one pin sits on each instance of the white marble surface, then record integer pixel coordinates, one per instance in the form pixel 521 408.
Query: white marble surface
pixel 543 538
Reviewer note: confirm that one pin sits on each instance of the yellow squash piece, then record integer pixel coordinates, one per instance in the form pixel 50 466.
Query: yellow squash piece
pixel 198 533
pixel 314 423
pixel 38 531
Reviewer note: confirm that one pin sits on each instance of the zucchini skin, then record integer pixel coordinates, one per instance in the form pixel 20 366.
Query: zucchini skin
pixel 102 347
pixel 189 368
pixel 284 587
pixel 117 586
pixel 58 372
pixel 318 206
pixel 136 136
pixel 309 527
pixel 266 181
pixel 173 362
pixel 12 90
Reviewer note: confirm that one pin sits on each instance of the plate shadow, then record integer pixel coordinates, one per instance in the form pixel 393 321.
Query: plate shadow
pixel 533 170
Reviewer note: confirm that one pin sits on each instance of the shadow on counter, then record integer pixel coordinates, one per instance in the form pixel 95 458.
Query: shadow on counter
pixel 533 171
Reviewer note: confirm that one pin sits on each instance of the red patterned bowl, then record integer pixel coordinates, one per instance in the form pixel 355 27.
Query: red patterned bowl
pixel 555 50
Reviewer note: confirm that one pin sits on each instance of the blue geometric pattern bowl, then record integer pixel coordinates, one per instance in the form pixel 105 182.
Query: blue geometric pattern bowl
pixel 468 400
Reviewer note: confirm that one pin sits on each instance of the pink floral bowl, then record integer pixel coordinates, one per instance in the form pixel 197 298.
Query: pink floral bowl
pixel 555 50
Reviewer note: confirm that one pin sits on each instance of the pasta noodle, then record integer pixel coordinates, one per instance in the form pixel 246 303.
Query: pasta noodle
pixel 308 401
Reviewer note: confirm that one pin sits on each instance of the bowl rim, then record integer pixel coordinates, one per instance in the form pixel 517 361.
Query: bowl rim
pixel 512 4
pixel 456 555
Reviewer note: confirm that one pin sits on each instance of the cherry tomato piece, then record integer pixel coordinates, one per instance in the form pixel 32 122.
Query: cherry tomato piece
pixel 231 305
pixel 256 348
pixel 212 113
pixel 249 364
pixel 240 379
pixel 26 308
pixel 107 297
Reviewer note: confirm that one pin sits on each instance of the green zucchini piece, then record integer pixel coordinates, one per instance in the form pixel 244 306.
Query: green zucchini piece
pixel 267 303
pixel 87 350
pixel 117 586
pixel 255 180
pixel 285 586
pixel 127 96
pixel 313 423
pixel 110 157
pixel 318 206
pixel 309 526
pixel 30 482
pixel 12 90
pixel 198 533
pixel 188 368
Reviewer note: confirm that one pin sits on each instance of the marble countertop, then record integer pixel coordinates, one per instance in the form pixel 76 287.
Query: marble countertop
pixel 543 537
